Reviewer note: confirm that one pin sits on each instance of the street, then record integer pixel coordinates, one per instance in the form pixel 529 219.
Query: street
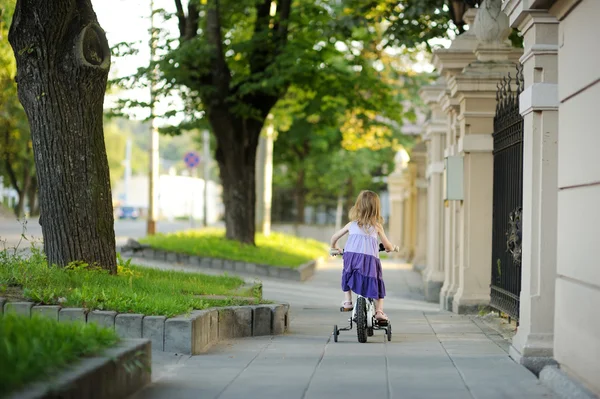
pixel 11 230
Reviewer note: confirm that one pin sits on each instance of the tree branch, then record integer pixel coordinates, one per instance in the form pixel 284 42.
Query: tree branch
pixel 220 71
pixel 285 10
pixel 261 53
pixel 191 27
pixel 182 19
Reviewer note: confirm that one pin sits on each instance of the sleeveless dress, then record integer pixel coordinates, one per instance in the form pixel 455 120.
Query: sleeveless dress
pixel 362 267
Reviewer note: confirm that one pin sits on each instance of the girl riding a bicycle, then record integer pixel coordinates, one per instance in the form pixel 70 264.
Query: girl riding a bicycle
pixel 362 268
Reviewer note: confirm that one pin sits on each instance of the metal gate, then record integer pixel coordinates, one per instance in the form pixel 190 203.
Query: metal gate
pixel 508 197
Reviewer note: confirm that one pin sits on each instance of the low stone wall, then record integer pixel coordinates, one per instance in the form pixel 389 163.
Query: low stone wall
pixel 117 373
pixel 190 334
pixel 301 273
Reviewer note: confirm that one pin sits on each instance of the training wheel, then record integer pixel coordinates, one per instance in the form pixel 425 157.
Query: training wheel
pixel 389 332
pixel 335 333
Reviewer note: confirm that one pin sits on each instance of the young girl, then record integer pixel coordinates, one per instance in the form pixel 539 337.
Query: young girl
pixel 362 267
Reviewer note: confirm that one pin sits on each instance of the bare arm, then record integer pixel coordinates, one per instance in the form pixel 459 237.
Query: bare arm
pixel 386 243
pixel 335 238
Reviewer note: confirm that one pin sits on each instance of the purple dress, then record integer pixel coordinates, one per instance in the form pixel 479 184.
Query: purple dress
pixel 362 267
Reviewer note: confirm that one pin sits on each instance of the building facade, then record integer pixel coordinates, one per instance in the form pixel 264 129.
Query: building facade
pixel 545 241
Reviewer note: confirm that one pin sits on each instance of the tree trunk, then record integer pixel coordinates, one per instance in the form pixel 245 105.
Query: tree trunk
pixel 63 60
pixel 32 196
pixel 236 156
pixel 300 194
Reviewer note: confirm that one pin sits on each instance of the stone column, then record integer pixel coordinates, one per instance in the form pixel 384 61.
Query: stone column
pixel 396 193
pixel 452 210
pixel 434 136
pixel 450 62
pixel 419 157
pixel 475 88
pixel 407 249
pixel 533 343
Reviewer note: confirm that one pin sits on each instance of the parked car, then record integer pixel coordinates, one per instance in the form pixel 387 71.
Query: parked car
pixel 128 212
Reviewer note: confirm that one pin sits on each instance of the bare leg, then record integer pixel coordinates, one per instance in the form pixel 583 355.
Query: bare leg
pixel 379 305
pixel 348 296
pixel 379 315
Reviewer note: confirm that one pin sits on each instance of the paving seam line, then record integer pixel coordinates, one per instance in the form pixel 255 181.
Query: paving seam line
pixel 316 367
pixel 476 322
pixel 387 369
pixel 462 377
pixel 245 368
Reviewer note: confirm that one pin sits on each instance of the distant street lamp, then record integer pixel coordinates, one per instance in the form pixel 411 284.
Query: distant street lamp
pixel 154 160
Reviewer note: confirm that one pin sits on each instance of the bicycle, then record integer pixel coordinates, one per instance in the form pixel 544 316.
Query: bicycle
pixel 363 315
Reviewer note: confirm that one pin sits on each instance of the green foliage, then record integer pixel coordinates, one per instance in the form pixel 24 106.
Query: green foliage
pixel 33 349
pixel 16 150
pixel 275 250
pixel 412 25
pixel 134 289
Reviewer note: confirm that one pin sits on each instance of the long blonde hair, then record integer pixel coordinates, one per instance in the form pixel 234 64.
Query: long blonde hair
pixel 367 210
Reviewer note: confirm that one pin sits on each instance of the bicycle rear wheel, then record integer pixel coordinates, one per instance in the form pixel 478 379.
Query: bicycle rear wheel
pixel 361 320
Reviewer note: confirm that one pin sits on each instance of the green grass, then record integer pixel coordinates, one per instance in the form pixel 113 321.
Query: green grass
pixel 134 289
pixel 275 250
pixel 33 349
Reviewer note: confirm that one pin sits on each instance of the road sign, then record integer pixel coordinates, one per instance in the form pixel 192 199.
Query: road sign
pixel 192 159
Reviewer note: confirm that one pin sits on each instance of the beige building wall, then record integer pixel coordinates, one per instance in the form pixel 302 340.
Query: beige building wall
pixel 577 325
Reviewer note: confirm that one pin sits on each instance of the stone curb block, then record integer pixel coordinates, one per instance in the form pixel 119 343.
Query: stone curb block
pixel 178 335
pixel 148 253
pixel 129 325
pixel 279 321
pixel 195 260
pixel 217 263
pixel 114 374
pixel 261 322
pixel 235 322
pixel 228 265
pixel 190 335
pixel 104 318
pixel 46 311
pixel 20 308
pixel 68 315
pixel 302 273
pixel 201 328
pixel 153 328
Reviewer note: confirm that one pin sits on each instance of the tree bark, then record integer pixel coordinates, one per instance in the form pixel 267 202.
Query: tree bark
pixel 63 60
pixel 300 195
pixel 32 197
pixel 237 141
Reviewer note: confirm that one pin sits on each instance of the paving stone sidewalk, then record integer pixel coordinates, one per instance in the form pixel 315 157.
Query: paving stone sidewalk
pixel 432 354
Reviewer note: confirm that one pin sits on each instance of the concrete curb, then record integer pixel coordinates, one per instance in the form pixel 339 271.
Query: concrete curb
pixel 117 373
pixel 191 334
pixel 562 385
pixel 302 273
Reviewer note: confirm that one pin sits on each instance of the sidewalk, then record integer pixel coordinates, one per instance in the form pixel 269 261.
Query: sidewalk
pixel 432 354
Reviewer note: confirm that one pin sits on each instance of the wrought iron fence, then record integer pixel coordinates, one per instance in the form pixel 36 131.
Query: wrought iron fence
pixel 508 196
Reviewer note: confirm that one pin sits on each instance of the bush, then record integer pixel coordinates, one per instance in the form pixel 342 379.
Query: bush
pixel 275 250
pixel 34 348
pixel 134 289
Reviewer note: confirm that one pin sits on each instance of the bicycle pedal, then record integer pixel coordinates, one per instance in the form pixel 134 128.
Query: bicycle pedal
pixel 343 309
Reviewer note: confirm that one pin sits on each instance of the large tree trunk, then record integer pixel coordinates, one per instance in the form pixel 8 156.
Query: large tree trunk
pixel 236 156
pixel 300 194
pixel 63 60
